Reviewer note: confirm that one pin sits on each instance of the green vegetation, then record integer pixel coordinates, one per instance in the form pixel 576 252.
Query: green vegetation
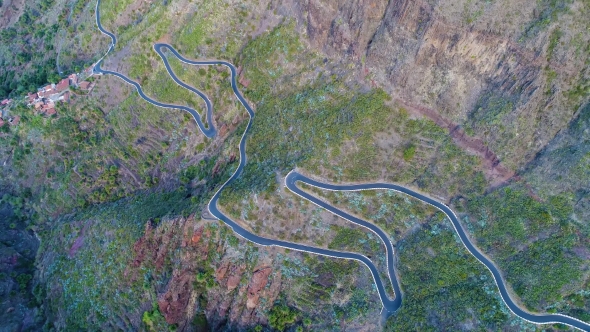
pixel 27 54
pixel 331 290
pixel 489 111
pixel 214 82
pixel 534 232
pixel 356 240
pixel 23 280
pixel 285 130
pixel 89 155
pixel 200 323
pixel 409 152
pixel 18 251
pixel 109 9
pixel 519 214
pixel 153 320
pixel 30 48
pixel 193 34
pixel 444 286
pixel 395 213
pixel 89 276
pixel 281 317
pixel 94 156
pixel 549 12
pixel 165 90
pixel 556 34
pixel 205 279
pixel 472 11
pixel 141 65
pixel 538 268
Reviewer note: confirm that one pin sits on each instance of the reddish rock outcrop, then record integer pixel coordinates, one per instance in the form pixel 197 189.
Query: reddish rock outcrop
pixel 244 81
pixel 221 271
pixel 229 275
pixel 173 303
pixel 236 293
pixel 196 236
pixel 257 284
pixel 141 247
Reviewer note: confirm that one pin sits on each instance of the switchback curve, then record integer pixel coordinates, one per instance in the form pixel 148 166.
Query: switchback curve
pixel 293 177
pixel 389 305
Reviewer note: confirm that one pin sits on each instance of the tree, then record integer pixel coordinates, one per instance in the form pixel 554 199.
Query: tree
pixel 281 316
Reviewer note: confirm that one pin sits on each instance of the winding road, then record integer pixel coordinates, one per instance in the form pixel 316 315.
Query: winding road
pixel 291 180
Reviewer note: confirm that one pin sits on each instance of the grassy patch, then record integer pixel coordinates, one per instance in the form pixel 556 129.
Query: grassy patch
pixel 556 34
pixel 409 152
pixel 351 239
pixel 540 268
pixel 445 287
pixel 294 127
pixel 549 12
pixel 91 284
pixel 109 9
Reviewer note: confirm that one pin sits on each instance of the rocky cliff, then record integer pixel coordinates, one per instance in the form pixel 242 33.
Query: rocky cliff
pixel 504 71
pixel 207 276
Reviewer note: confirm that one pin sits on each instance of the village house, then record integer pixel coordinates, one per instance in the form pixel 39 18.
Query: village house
pixel 47 108
pixel 9 121
pixel 45 98
pixel 73 79
pixel 47 92
pixel 32 97
pixel 63 85
pixel 86 86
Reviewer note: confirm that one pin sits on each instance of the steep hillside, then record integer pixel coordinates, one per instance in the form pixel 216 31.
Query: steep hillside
pixel 19 307
pixel 538 229
pixel 43 40
pixel 480 104
pixel 511 74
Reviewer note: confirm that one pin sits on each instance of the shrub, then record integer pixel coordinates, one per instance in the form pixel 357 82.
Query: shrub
pixel 281 316
pixel 409 152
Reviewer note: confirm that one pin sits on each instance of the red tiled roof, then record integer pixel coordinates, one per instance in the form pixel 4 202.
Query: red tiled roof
pixel 50 111
pixel 84 85
pixel 49 105
pixel 63 85
pixel 32 97
pixel 47 93
pixel 5 102
pixel 1 122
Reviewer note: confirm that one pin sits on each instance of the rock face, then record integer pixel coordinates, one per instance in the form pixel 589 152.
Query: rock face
pixel 257 284
pixel 173 304
pixel 457 64
pixel 343 26
pixel 232 296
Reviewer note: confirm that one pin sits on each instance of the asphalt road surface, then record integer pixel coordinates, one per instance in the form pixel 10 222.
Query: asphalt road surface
pixel 389 305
